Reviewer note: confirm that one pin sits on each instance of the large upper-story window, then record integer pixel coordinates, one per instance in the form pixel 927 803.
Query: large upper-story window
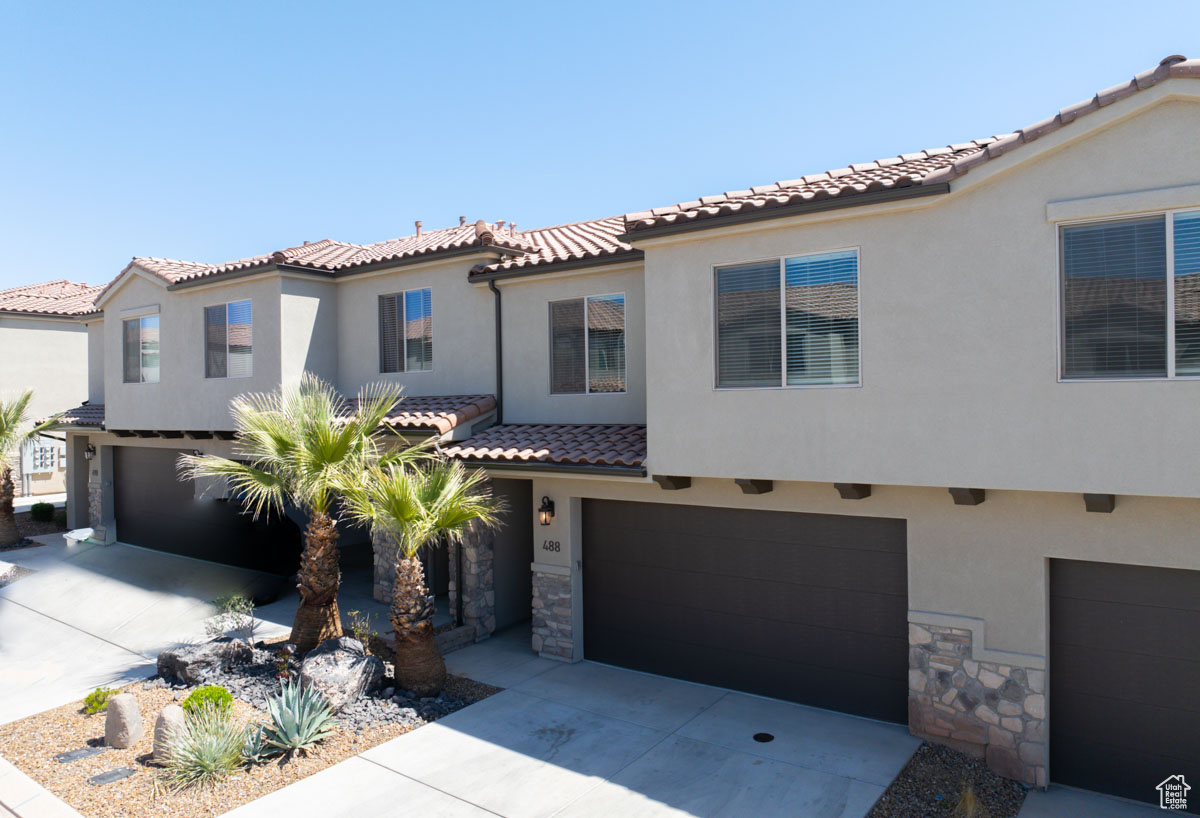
pixel 587 345
pixel 228 340
pixel 788 321
pixel 406 331
pixel 140 349
pixel 1131 298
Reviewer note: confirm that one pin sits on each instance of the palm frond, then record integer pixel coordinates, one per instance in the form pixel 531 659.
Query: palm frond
pixel 13 420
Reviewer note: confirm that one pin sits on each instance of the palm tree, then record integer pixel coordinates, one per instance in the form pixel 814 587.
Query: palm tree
pixel 13 419
pixel 417 502
pixel 299 445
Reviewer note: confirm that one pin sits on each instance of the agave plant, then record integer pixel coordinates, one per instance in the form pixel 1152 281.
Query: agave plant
pixel 300 717
pixel 255 749
pixel 206 749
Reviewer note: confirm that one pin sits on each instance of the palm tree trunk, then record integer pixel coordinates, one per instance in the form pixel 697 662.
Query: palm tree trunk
pixel 317 617
pixel 8 523
pixel 419 664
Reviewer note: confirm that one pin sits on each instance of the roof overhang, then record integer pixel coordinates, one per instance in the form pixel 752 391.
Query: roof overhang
pixel 558 266
pixel 816 206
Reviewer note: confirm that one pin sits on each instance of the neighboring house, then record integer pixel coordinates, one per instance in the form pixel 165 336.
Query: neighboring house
pixel 913 439
pixel 44 344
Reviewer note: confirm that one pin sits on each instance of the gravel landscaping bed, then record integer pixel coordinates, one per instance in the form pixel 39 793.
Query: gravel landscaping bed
pixel 32 743
pixel 28 527
pixel 933 782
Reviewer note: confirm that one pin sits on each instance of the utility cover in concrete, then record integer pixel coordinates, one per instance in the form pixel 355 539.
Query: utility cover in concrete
pixel 75 755
pixel 110 776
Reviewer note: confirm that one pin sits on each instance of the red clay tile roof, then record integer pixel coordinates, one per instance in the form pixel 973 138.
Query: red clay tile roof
pixel 440 413
pixel 564 444
pixel 595 239
pixel 51 298
pixel 926 167
pixel 89 414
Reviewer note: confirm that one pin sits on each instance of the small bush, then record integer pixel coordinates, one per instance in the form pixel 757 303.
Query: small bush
pixel 97 700
pixel 300 717
pixel 234 613
pixel 360 628
pixel 41 512
pixel 205 750
pixel 209 695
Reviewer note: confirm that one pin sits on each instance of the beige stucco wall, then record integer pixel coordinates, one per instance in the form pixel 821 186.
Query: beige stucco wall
pixel 959 328
pixel 95 360
pixel 463 329
pixel 527 397
pixel 986 562
pixel 308 323
pixel 48 356
pixel 183 398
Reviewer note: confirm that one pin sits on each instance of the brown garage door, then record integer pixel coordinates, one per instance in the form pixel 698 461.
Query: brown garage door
pixel 807 607
pixel 1124 677
pixel 154 509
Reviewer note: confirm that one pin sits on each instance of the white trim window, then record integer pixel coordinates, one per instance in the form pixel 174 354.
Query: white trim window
pixel 406 331
pixel 229 340
pixel 788 322
pixel 1130 304
pixel 591 360
pixel 140 352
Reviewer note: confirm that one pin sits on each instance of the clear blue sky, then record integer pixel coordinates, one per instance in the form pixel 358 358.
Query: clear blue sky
pixel 211 131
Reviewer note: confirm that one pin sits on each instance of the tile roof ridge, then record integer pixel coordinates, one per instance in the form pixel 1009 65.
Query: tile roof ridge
pixel 570 224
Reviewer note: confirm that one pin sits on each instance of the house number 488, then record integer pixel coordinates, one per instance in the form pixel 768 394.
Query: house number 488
pixel 551 545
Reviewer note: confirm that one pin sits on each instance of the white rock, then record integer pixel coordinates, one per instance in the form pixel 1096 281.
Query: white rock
pixel 169 720
pixel 917 680
pixel 990 679
pixel 918 635
pixel 987 714
pixel 123 724
pixel 1035 705
pixel 971 667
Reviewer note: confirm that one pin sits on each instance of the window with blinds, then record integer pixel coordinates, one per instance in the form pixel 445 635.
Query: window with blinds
pixel 788 322
pixel 140 349
pixel 229 340
pixel 1131 298
pixel 1186 237
pixel 587 345
pixel 406 331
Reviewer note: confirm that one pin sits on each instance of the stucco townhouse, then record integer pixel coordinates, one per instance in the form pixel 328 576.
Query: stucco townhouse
pixel 913 439
pixel 43 347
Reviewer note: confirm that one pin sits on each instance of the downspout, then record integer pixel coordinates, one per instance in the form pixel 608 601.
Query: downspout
pixel 499 357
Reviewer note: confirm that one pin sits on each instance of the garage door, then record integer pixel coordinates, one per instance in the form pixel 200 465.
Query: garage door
pixel 1124 677
pixel 811 608
pixel 154 509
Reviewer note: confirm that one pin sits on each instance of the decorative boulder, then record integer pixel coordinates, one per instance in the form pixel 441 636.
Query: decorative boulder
pixel 341 671
pixel 123 724
pixel 192 664
pixel 169 721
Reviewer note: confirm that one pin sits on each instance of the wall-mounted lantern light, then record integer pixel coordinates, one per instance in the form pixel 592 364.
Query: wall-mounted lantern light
pixel 197 453
pixel 546 511
pixel 89 452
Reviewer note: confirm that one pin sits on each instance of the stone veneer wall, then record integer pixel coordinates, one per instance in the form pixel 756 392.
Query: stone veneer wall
pixel 478 581
pixel 385 568
pixel 96 507
pixel 553 634
pixel 990 710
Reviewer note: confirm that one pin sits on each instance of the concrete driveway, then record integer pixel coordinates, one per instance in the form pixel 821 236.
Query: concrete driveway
pixel 94 615
pixel 593 740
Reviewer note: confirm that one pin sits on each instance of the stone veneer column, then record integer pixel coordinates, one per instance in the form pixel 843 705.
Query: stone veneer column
pixel 989 710
pixel 385 567
pixel 553 629
pixel 478 581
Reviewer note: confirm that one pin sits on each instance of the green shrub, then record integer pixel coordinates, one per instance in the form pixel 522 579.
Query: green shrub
pixel 97 700
pixel 41 512
pixel 206 749
pixel 214 695
pixel 300 717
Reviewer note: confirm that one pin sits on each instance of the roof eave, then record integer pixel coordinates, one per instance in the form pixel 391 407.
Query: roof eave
pixel 566 468
pixel 623 257
pixel 798 209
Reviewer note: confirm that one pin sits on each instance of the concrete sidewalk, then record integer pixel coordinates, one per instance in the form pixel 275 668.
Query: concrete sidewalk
pixel 594 740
